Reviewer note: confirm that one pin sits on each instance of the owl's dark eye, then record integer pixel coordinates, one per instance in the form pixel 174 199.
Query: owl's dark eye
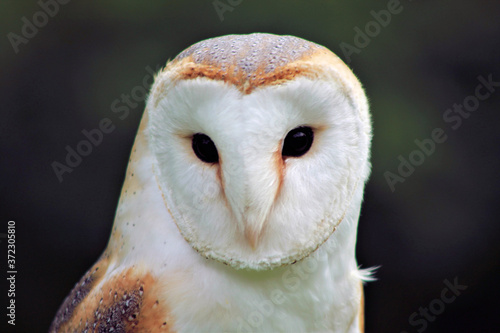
pixel 205 148
pixel 298 141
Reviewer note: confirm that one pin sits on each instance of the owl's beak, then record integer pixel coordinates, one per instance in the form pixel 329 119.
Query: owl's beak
pixel 253 226
pixel 251 189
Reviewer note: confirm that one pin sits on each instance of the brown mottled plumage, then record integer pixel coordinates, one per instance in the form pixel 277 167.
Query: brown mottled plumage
pixel 103 301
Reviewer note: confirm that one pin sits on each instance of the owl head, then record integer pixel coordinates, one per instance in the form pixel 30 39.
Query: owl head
pixel 260 146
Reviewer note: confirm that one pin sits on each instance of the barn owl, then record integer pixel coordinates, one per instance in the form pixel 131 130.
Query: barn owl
pixel 241 199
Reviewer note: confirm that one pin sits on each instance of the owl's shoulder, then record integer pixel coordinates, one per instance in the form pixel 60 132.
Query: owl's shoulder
pixel 122 299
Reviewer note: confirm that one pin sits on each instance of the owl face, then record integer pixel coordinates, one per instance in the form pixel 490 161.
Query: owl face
pixel 258 164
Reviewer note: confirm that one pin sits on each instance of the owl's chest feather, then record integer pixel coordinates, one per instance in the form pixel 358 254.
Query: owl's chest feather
pixel 300 298
pixel 305 297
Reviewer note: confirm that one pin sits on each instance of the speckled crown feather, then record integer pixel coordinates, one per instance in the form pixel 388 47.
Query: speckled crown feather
pixel 247 61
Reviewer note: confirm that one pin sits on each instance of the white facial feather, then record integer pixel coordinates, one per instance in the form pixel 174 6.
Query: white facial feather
pixel 215 205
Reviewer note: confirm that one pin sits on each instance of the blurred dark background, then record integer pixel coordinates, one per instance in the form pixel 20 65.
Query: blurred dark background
pixel 440 224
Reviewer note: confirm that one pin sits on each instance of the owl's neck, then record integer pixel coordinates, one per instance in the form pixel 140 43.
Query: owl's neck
pixel 321 292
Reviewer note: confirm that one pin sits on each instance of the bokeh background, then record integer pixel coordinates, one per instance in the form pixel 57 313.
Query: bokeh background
pixel 440 223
